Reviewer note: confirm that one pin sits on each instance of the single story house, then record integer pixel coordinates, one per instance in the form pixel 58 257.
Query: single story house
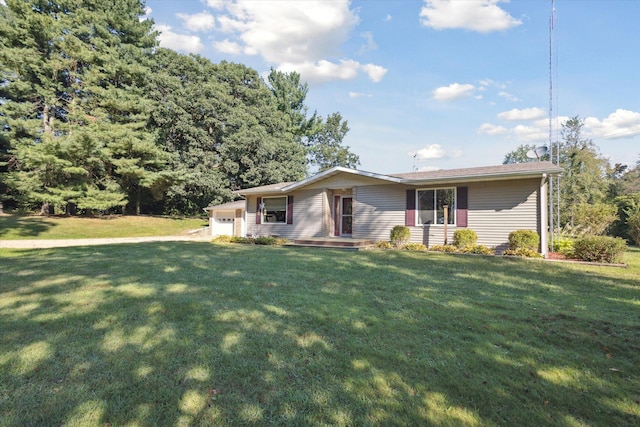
pixel 227 219
pixel 341 202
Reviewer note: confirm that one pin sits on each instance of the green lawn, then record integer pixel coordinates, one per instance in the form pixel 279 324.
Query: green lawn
pixel 38 227
pixel 214 334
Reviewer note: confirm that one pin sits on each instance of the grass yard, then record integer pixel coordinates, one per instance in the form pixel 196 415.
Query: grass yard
pixel 18 227
pixel 213 334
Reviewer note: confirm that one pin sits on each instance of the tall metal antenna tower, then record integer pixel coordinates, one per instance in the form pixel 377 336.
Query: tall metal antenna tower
pixel 551 201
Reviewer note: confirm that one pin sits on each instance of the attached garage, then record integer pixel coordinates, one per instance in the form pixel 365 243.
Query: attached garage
pixel 227 219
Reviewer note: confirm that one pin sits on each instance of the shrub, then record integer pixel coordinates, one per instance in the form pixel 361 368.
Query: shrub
pixel 222 239
pixel 478 249
pixel 464 238
pixel 414 247
pixel 523 252
pixel 245 240
pixel 565 247
pixel 633 224
pixel 524 239
pixel 600 249
pixel 443 248
pixel 383 244
pixel 400 235
pixel 265 240
pixel 593 219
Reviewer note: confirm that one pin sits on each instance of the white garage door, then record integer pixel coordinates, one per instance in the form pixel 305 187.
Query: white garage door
pixel 223 224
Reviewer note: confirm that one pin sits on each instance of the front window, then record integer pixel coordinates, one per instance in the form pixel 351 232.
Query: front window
pixel 274 210
pixel 431 205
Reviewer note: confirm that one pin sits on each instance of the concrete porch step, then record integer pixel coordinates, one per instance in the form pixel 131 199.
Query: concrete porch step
pixel 334 242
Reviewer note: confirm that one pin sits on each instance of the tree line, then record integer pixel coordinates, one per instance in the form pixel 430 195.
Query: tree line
pixel 95 117
pixel 595 197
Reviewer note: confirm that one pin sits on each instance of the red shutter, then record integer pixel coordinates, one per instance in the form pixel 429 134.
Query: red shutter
pixel 289 209
pixel 258 213
pixel 410 213
pixel 462 206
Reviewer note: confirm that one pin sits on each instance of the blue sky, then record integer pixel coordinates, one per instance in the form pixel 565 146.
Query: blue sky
pixel 436 84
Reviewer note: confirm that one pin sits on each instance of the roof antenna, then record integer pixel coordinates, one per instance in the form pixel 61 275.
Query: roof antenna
pixel 415 157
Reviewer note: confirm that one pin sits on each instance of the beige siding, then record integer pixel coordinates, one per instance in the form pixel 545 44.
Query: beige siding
pixel 497 208
pixel 307 217
pixel 377 209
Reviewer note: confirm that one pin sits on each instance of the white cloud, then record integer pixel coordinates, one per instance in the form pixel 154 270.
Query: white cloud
pixel 530 133
pixel 360 95
pixel 296 36
pixel 375 72
pixel 433 151
pixel 214 4
pixel 388 18
pixel 482 16
pixel 202 21
pixel 619 124
pixel 453 91
pixel 175 41
pixel 322 71
pixel 491 129
pixel 523 114
pixel 508 96
pixel 227 46
pixel 370 44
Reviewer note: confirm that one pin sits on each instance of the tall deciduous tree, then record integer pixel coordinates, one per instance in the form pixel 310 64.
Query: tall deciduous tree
pixel 584 178
pixel 326 146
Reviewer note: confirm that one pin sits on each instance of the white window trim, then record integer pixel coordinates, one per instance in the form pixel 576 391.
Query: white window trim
pixel 455 198
pixel 263 213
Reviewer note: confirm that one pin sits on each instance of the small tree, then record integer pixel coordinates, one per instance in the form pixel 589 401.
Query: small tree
pixel 633 224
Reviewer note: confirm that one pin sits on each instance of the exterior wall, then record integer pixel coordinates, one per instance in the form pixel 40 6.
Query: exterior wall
pixel 308 217
pixel 377 209
pixel 495 209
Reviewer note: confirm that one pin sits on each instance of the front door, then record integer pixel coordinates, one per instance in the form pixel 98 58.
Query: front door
pixel 346 216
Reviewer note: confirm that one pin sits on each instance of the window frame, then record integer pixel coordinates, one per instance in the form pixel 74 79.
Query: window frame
pixel 452 212
pixel 263 214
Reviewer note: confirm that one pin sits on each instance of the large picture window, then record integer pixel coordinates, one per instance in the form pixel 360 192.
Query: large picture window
pixel 274 210
pixel 431 206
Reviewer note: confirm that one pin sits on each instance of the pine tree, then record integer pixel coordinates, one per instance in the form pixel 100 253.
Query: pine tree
pixel 74 108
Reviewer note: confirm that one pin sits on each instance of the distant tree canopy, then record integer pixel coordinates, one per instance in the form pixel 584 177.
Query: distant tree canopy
pixel 94 117
pixel 589 184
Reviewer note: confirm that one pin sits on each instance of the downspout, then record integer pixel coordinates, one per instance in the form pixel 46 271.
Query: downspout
pixel 544 219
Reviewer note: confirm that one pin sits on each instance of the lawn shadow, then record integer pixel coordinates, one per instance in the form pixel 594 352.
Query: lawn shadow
pixel 23 225
pixel 164 334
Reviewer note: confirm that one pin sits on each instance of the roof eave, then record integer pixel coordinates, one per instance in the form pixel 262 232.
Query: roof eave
pixel 481 177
